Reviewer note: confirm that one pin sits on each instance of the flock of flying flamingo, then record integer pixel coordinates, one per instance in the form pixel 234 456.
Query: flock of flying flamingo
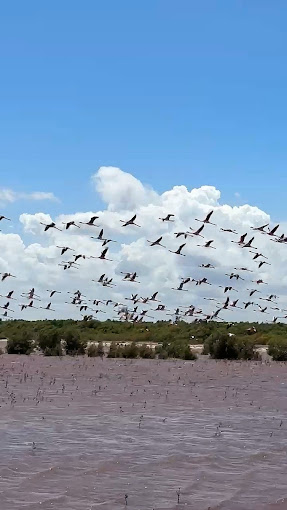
pixel 142 306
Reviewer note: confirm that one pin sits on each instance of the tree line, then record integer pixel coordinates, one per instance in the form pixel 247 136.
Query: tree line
pixel 221 340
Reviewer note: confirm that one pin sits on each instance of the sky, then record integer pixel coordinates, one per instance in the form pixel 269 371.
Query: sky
pixel 185 92
pixel 116 108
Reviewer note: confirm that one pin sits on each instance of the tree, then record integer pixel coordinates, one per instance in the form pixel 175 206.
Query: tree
pixel 20 343
pixel 73 343
pixel 221 345
pixel 278 349
pixel 49 341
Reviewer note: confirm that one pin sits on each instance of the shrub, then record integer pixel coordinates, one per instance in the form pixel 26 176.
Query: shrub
pixel 114 351
pixel 96 350
pixel 277 349
pixel 73 343
pixel 130 351
pixel 188 354
pixel 146 352
pixel 53 351
pixel 49 340
pixel 20 343
pixel 222 346
pixel 177 349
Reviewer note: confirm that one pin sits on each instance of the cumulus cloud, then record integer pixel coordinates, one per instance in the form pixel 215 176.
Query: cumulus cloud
pixel 121 190
pixel 9 196
pixel 36 265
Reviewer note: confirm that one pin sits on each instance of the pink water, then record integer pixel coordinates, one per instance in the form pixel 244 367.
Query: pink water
pixel 92 446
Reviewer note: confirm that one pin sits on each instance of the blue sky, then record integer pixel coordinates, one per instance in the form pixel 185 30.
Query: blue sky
pixel 181 92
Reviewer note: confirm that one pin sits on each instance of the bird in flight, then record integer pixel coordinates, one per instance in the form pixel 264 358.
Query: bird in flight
pixel 207 218
pixel 50 225
pixel 178 251
pixel 197 232
pixel 208 244
pixel 6 275
pixel 70 224
pixel 168 217
pixel 260 229
pixel 91 222
pixel 157 242
pixel 130 222
pixel 64 249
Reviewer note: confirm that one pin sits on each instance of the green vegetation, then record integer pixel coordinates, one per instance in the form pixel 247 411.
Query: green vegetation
pixel 223 346
pixel 20 343
pixel 55 337
pixel 278 349
pixel 94 351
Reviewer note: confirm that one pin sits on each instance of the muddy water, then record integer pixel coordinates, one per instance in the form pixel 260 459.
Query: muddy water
pixel 103 429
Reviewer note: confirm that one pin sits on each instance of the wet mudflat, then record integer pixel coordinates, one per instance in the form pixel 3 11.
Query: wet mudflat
pixel 103 429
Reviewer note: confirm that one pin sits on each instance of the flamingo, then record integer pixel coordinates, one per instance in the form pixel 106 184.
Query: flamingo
pixel 272 232
pixel 48 307
pixel 226 304
pixel 207 244
pixel 49 225
pixel 4 218
pixel 252 291
pixel 233 275
pixel 249 244
pixel 234 304
pixel 64 249
pixel 263 310
pixel 53 292
pixel 229 230
pixel 101 279
pixel 106 241
pixel 197 232
pixel 30 305
pixel 257 255
pixel 270 298
pixel 241 240
pixel 9 295
pixel 70 224
pixel 79 256
pixel 160 308
pixel 203 280
pixel 100 237
pixel 180 287
pixel 207 266
pixel 260 229
pixel 177 252
pixel 246 305
pixel 5 314
pixel 130 222
pixel 262 262
pixel 206 219
pixel 6 275
pixel 228 288
pixel 168 217
pixel 243 269
pixel 157 242
pixel 91 222
pixel 179 234
pixel 103 255
pixel 153 298
pixel 6 307
pixel 31 294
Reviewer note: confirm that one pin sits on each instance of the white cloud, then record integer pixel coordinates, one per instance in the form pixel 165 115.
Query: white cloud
pixel 10 196
pixel 121 190
pixel 36 265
